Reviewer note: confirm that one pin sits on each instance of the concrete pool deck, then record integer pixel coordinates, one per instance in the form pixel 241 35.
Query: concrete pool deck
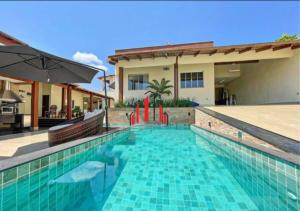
pixel 281 119
pixel 14 145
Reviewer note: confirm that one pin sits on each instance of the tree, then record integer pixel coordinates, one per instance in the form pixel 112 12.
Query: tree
pixel 157 90
pixel 286 37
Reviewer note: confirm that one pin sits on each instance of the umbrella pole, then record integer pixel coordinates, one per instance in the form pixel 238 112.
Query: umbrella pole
pixel 106 109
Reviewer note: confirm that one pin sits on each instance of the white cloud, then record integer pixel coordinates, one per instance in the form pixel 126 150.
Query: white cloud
pixel 89 59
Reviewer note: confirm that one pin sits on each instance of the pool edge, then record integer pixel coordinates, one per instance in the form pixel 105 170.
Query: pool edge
pixel 25 158
pixel 292 158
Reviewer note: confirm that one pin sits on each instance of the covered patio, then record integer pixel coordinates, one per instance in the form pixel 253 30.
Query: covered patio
pixel 46 84
pixel 50 104
pixel 259 81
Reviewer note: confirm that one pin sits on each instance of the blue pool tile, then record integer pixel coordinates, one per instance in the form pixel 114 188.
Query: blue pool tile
pixel 23 170
pixel 10 175
pixel 156 168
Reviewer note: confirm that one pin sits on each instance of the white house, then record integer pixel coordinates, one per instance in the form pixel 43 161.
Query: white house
pixel 260 73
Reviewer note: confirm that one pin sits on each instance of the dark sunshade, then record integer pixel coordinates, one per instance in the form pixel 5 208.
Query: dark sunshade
pixel 31 64
pixel 112 85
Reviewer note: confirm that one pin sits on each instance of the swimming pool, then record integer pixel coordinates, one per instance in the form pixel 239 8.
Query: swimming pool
pixel 154 168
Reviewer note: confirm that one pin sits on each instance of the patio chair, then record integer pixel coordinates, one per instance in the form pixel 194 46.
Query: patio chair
pixel 52 111
pixel 63 112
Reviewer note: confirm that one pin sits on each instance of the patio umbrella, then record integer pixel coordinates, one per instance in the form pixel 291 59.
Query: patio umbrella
pixel 31 64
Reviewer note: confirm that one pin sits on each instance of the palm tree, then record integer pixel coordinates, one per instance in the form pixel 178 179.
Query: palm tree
pixel 157 90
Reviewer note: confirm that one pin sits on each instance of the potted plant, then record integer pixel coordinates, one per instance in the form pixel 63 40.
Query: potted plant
pixel 76 111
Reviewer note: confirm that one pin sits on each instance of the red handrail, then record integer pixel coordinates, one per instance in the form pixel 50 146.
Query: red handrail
pixel 146 110
pixel 166 118
pixel 137 112
pixel 131 118
pixel 160 114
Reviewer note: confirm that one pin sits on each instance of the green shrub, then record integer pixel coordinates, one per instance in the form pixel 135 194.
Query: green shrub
pixel 76 112
pixel 287 37
pixel 131 103
pixel 120 104
pixel 181 102
pixel 76 109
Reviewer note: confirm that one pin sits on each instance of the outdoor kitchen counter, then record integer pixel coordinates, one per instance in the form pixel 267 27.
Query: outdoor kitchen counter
pixel 16 120
pixel 7 118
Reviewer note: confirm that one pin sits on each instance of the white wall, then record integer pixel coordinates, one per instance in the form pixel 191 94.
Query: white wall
pixel 78 99
pixel 55 97
pixel 269 81
pixel 25 108
pixel 154 73
pixel 204 95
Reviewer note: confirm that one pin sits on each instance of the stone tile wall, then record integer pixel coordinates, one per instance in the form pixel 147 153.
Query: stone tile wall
pixel 203 120
pixel 184 115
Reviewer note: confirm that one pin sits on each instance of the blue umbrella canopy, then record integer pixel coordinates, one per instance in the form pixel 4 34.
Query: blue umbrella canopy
pixel 23 61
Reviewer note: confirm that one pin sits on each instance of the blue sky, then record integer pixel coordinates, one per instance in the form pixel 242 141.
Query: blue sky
pixel 64 28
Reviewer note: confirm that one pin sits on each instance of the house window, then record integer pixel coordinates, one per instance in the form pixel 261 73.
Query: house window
pixel 137 82
pixel 191 80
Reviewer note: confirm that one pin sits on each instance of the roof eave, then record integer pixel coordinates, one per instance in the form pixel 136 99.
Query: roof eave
pixel 113 59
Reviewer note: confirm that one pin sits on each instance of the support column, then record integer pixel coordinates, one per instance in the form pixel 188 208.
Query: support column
pixel 176 78
pixel 35 105
pixel 91 102
pixel 121 83
pixel 106 109
pixel 63 98
pixel 69 102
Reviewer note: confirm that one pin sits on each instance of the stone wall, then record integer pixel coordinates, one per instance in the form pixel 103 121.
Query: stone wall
pixel 203 120
pixel 118 115
pixel 185 115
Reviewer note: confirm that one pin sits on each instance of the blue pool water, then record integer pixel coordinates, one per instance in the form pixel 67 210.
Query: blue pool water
pixel 155 168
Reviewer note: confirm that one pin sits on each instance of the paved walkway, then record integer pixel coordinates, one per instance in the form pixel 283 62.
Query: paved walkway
pixel 17 145
pixel 280 119
pixel 14 145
